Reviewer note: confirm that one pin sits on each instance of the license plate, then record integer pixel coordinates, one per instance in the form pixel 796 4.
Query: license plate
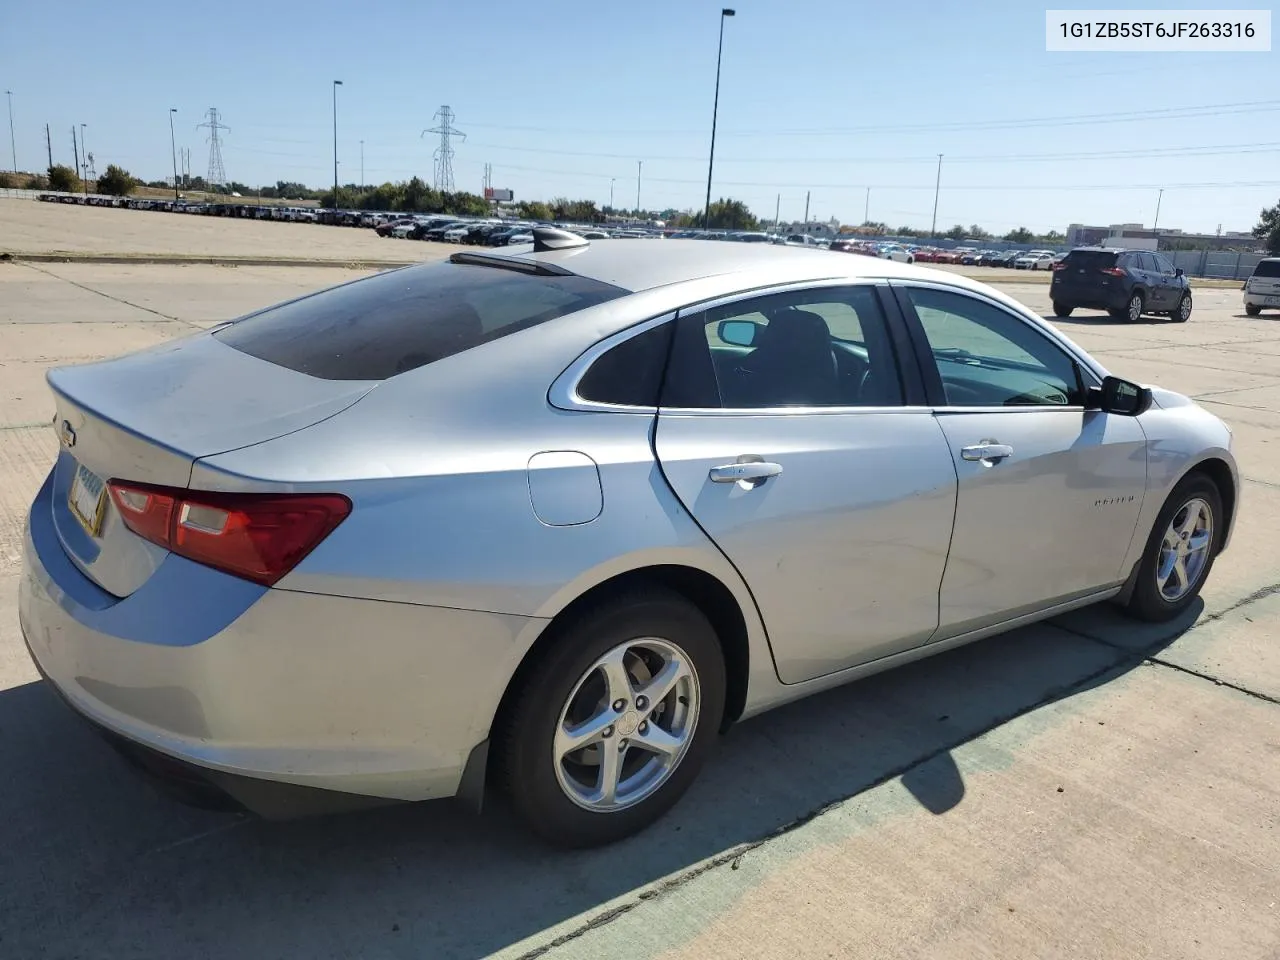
pixel 88 499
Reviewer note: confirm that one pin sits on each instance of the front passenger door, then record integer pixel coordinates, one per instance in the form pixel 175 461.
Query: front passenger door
pixel 1049 493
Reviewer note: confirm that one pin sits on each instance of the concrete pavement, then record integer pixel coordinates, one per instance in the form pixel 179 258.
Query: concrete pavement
pixel 1082 788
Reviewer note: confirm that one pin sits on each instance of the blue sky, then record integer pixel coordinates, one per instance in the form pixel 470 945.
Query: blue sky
pixel 563 96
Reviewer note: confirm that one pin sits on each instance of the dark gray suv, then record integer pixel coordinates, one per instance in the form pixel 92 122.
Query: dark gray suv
pixel 1125 283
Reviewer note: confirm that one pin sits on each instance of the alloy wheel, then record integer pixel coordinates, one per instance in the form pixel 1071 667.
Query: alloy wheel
pixel 1184 551
pixel 626 725
pixel 1135 307
pixel 1184 308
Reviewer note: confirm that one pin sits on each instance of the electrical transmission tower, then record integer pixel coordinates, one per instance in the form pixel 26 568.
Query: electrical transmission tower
pixel 217 175
pixel 444 153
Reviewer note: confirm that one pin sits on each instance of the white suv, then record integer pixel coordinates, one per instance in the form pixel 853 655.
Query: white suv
pixel 1263 288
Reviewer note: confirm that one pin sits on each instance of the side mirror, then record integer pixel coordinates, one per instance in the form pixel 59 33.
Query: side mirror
pixel 740 333
pixel 1178 271
pixel 1120 397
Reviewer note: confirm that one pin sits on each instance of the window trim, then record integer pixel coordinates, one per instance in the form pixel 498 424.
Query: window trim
pixel 1089 373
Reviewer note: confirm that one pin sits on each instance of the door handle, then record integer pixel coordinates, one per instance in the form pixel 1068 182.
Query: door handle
pixel 749 472
pixel 987 451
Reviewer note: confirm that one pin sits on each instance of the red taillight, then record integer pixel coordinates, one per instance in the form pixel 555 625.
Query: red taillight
pixel 1113 271
pixel 1060 265
pixel 260 537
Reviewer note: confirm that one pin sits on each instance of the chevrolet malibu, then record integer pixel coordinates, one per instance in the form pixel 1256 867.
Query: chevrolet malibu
pixel 548 520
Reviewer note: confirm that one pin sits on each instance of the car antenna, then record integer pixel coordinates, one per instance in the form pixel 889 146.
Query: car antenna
pixel 551 238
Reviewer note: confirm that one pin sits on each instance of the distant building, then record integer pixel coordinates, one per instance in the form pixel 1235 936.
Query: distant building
pixel 818 229
pixel 1136 236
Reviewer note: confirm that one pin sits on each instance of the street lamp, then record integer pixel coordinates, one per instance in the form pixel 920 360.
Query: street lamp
pixel 174 151
pixel 715 109
pixel 336 85
pixel 611 180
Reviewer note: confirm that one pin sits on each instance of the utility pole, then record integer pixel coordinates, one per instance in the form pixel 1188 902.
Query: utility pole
pixel 933 230
pixel 361 163
pixel 13 146
pixel 866 211
pixel 84 150
pixel 639 167
pixel 1159 197
pixel 777 208
pixel 173 152
pixel 806 211
pixel 75 149
pixel 611 182
pixel 336 85
pixel 48 145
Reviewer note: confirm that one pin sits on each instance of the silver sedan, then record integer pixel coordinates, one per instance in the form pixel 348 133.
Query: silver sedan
pixel 550 519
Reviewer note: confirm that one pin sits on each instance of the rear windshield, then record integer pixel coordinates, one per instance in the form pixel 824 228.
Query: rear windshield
pixel 1091 258
pixel 397 321
pixel 1267 268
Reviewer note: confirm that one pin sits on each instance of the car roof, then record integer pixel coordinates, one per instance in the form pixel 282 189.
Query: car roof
pixel 637 265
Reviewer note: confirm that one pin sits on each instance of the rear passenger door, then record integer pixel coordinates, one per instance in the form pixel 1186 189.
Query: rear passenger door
pixel 791 432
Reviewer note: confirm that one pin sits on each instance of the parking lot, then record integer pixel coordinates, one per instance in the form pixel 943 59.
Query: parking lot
pixel 1087 787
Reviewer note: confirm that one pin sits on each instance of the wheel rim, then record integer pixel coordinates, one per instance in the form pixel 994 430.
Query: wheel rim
pixel 1135 308
pixel 1184 308
pixel 1184 551
pixel 626 725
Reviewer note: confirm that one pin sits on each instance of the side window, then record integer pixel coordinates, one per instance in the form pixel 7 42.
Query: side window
pixel 813 348
pixel 630 373
pixel 1149 263
pixel 1162 263
pixel 988 357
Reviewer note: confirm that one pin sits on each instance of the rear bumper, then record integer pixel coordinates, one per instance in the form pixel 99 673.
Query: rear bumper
pixel 377 699
pixel 1252 299
pixel 1090 298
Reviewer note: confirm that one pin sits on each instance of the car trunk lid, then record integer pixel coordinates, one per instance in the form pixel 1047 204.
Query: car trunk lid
pixel 147 418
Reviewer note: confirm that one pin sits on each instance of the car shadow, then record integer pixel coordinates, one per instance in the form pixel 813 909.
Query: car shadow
pixel 1103 319
pixel 96 863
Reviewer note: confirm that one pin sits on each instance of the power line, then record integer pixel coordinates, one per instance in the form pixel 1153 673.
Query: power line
pixel 443 155
pixel 217 175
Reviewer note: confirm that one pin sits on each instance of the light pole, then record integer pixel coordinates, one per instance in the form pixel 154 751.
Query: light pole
pixel 362 164
pixel 639 167
pixel 611 182
pixel 13 146
pixel 933 230
pixel 174 151
pixel 715 109
pixel 866 211
pixel 84 149
pixel 1159 197
pixel 336 85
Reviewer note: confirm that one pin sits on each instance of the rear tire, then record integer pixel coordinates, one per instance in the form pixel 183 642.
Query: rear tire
pixel 1157 599
pixel 558 791
pixel 1062 309
pixel 1132 312
pixel 1251 310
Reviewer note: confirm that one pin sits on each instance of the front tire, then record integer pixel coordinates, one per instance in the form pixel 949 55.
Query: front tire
pixel 1183 313
pixel 1251 310
pixel 614 720
pixel 1180 551
pixel 1062 309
